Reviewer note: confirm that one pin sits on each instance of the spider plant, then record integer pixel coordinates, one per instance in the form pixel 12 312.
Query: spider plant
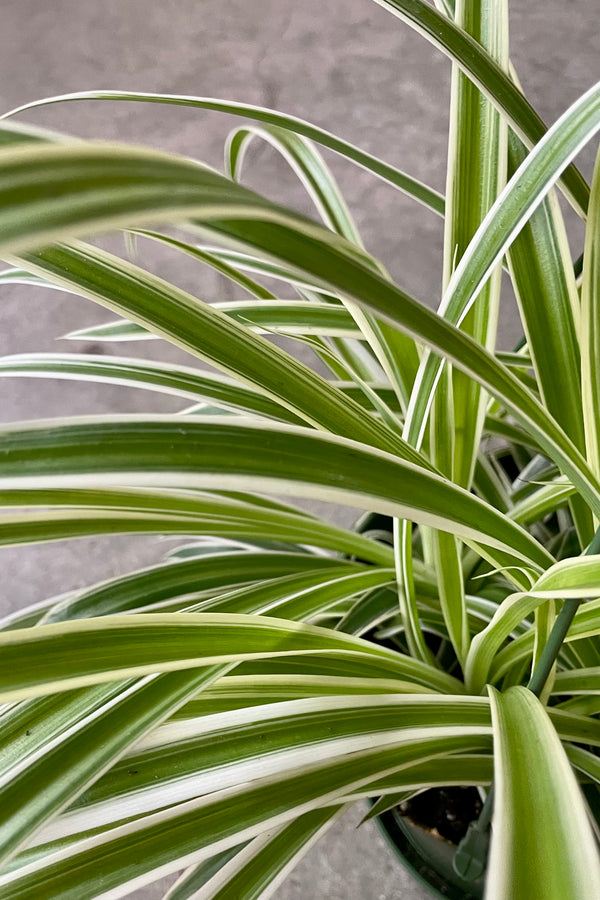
pixel 214 714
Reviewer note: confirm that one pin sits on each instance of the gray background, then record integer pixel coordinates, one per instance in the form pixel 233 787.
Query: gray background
pixel 343 64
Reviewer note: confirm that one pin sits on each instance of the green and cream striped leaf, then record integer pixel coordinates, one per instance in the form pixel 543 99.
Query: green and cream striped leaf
pixel 484 72
pixel 268 268
pixel 476 175
pixel 488 76
pixel 242 691
pixel 293 317
pixel 116 330
pixel 585 761
pixel 81 512
pixel 328 665
pixel 180 381
pixel 32 725
pixel 577 650
pixel 20 276
pixel 459 358
pixel 546 291
pixel 209 574
pixel 103 519
pixel 308 165
pixel 206 256
pixel 56 657
pixel 298 596
pixel 586 623
pixel 514 434
pixel 396 353
pixel 378 167
pixel 577 577
pixel 587 706
pixel 590 326
pixel 169 451
pixel 25 133
pixel 194 757
pixel 194 548
pixel 462 771
pixel 542 275
pixel 491 484
pixel 417 712
pixel 577 681
pixel 542 843
pixel 370 610
pixel 80 754
pixel 542 502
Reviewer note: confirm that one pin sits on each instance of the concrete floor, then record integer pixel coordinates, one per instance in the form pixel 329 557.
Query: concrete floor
pixel 346 65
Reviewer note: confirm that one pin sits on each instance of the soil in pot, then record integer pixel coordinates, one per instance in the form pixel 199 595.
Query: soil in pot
pixel 444 812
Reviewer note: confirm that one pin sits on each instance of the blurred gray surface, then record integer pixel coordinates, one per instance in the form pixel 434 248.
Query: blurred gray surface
pixel 343 64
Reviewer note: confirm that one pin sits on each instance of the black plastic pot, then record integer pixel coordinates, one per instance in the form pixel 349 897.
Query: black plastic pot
pixel 427 857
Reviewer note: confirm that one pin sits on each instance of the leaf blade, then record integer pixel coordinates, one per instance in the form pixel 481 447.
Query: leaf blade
pixel 246 456
pixel 542 845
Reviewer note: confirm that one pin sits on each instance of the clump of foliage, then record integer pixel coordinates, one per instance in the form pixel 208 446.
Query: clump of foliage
pixel 216 713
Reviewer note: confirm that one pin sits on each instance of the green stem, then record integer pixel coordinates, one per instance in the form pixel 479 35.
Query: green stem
pixel 551 650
